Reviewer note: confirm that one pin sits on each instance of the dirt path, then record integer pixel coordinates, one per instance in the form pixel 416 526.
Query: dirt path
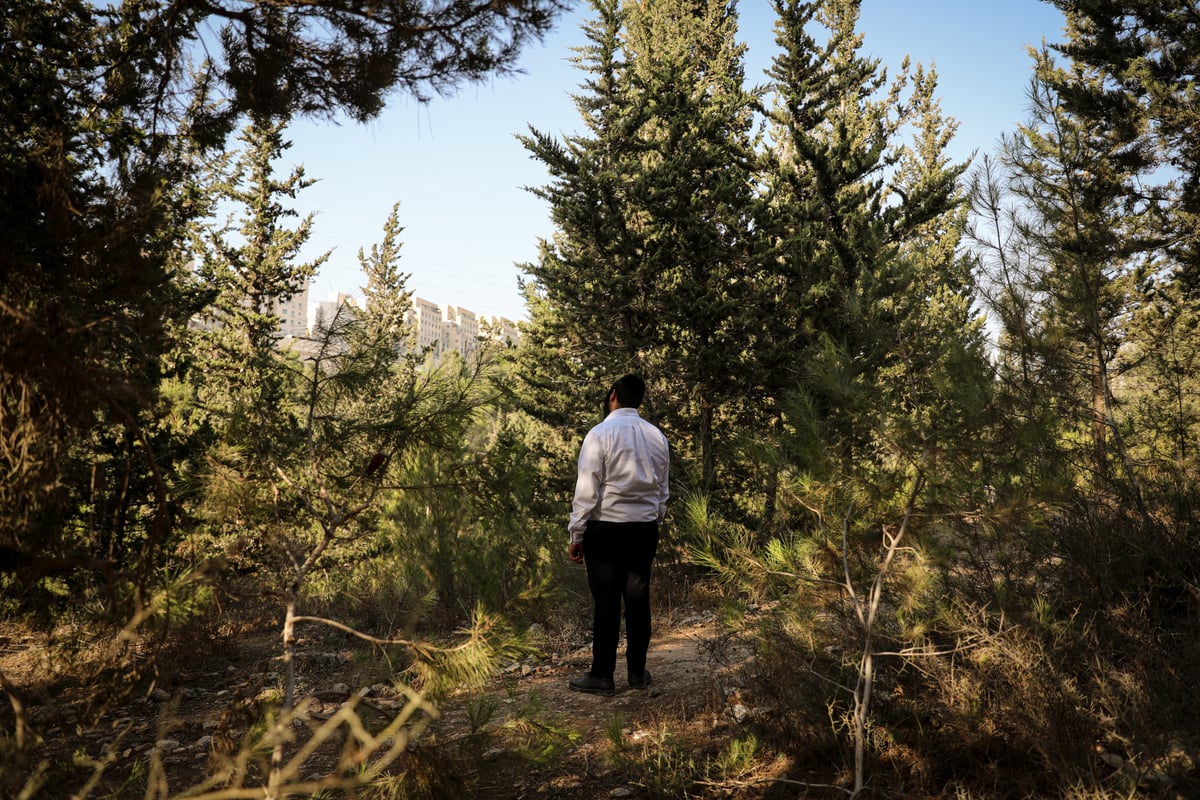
pixel 696 701
pixel 539 740
pixel 690 661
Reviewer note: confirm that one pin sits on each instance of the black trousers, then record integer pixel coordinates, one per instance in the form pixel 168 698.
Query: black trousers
pixel 618 556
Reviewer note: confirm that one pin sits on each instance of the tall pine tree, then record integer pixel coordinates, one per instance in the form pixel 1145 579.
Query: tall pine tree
pixel 1089 227
pixel 854 211
pixel 651 268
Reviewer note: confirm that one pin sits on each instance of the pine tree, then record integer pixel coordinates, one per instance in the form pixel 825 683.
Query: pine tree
pixel 1143 93
pixel 854 211
pixel 582 315
pixel 937 382
pixel 882 380
pixel 651 269
pixel 107 125
pixel 1089 229
pixel 246 389
pixel 92 199
pixel 1140 58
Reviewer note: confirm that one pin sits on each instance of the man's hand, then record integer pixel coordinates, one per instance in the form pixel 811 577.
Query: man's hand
pixel 575 552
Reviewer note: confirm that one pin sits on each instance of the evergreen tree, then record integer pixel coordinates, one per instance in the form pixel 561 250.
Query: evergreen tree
pixel 881 376
pixel 1162 351
pixel 1088 226
pixel 651 269
pixel 246 391
pixel 1143 93
pixel 831 138
pixel 937 382
pixel 1140 58
pixel 853 214
pixel 581 313
pixel 107 123
pixel 92 200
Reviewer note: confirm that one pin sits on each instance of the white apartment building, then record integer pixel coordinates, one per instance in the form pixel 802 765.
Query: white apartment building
pixel 292 313
pixel 426 318
pixel 438 329
pixel 460 329
pixel 324 312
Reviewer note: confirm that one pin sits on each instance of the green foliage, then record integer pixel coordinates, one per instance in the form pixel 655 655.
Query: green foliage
pixel 655 210
pixel 101 180
pixel 973 568
pixel 539 735
pixel 664 765
pixel 95 199
pixel 481 710
pixel 1142 99
pixel 614 730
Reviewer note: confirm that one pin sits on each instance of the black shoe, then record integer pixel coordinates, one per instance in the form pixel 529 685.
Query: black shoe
pixel 592 685
pixel 642 681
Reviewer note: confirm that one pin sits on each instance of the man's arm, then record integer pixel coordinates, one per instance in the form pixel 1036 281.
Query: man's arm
pixel 588 481
pixel 664 486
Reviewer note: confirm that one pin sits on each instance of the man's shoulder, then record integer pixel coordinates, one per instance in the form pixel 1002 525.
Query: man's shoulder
pixel 649 426
pixel 626 418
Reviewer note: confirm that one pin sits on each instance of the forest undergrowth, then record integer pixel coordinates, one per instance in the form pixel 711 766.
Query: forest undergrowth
pixel 742 706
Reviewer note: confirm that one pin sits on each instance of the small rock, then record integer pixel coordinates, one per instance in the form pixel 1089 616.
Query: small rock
pixel 340 688
pixel 204 741
pixel 167 745
pixel 739 713
pixel 1156 778
pixel 526 669
pixel 621 791
pixel 160 695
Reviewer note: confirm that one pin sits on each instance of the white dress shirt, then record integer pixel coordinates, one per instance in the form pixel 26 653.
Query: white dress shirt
pixel 623 466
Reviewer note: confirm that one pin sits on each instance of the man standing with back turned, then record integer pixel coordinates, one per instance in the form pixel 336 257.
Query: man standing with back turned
pixel 620 498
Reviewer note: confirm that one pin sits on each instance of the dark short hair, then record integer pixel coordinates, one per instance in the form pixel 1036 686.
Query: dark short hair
pixel 630 390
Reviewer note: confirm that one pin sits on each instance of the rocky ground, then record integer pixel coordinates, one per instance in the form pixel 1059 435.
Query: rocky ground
pixel 527 735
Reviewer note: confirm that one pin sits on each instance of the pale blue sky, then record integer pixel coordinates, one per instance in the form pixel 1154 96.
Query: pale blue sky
pixel 458 172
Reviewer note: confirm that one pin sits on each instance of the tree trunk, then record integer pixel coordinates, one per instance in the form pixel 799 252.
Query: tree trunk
pixel 1099 418
pixel 707 458
pixel 275 781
